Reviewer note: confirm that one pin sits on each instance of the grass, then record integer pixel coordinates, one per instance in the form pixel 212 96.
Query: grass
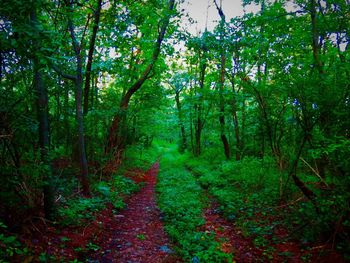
pixel 239 186
pixel 182 201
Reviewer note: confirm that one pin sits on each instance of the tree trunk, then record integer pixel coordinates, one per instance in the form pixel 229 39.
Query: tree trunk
pixel 325 112
pixel 0 66
pixel 243 127
pixel 66 124
pixel 198 108
pixel 78 81
pixel 221 85
pixel 97 13
pixel 197 137
pixel 236 128
pixel 191 132
pixel 222 108
pixel 181 122
pixel 222 112
pixel 42 113
pixel 293 173
pixel 238 136
pixel 44 137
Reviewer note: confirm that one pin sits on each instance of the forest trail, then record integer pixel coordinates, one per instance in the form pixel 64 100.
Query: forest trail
pixel 231 240
pixel 136 233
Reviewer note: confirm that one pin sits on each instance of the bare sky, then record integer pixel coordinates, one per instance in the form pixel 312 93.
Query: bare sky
pixel 205 13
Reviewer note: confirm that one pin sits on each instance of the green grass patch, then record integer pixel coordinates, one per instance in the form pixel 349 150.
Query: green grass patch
pixel 182 201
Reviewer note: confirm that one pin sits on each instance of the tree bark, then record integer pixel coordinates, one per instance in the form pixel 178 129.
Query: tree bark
pixel 198 126
pixel 78 81
pixel 222 84
pixel 236 124
pixel 222 109
pixel 44 137
pixel 0 66
pixel 66 124
pixel 293 173
pixel 42 113
pixel 239 134
pixel 324 118
pixel 97 14
pixel 183 145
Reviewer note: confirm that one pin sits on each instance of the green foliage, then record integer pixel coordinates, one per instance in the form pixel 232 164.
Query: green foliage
pixel 141 237
pixel 249 189
pixel 138 156
pixel 74 211
pixel 44 257
pixel 123 185
pixel 92 246
pixel 232 183
pixel 114 197
pixel 244 189
pixel 287 76
pixel 181 201
pixel 10 246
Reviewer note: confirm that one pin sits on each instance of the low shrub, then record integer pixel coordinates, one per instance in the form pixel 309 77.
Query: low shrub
pixel 74 211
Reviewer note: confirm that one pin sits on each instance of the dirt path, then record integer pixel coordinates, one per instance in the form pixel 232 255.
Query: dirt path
pixel 232 240
pixel 136 233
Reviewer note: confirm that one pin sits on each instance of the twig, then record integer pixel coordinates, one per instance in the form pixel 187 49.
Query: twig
pixel 318 247
pixel 6 135
pixel 85 228
pixel 58 198
pixel 312 169
pixel 288 204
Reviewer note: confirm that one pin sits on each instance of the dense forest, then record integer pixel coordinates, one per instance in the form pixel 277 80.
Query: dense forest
pixel 124 137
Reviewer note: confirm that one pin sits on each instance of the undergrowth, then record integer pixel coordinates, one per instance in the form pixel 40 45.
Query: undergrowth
pixel 10 246
pixel 114 190
pixel 181 201
pixel 258 198
pixel 74 211
pixel 246 191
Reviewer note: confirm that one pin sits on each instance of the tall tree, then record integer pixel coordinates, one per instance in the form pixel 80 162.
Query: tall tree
pixel 116 140
pixel 78 81
pixel 97 14
pixel 178 87
pixel 77 78
pixel 42 108
pixel 221 85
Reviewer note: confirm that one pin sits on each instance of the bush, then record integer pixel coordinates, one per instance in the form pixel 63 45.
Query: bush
pixel 10 247
pixel 76 210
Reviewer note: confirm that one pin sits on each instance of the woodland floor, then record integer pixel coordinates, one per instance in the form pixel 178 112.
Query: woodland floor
pixel 136 235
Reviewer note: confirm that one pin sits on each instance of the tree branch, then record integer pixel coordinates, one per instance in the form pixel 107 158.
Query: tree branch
pixel 145 75
pixel 61 73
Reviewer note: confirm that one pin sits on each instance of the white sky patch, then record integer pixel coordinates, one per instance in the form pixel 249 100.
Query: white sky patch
pixel 205 14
